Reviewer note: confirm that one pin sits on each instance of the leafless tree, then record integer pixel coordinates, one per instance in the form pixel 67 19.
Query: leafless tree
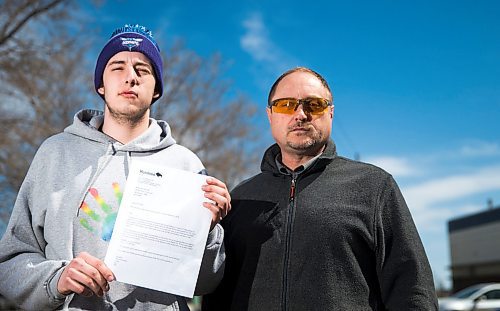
pixel 44 80
pixel 219 131
pixel 39 84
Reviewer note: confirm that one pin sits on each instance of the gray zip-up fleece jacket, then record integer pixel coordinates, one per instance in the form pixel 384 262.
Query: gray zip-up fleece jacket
pixel 68 203
pixel 335 236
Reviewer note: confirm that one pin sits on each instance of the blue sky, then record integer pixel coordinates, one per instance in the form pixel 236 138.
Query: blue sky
pixel 416 84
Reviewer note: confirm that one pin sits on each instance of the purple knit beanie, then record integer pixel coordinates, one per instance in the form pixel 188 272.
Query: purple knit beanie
pixel 133 38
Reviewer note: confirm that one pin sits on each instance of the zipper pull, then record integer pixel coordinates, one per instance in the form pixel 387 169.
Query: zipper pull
pixel 292 189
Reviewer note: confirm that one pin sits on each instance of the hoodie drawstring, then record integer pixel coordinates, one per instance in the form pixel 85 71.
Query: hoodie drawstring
pixel 128 159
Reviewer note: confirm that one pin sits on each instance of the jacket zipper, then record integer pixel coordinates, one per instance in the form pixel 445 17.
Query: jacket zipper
pixel 288 237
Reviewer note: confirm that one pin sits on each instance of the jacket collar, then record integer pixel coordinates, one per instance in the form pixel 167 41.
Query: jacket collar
pixel 268 163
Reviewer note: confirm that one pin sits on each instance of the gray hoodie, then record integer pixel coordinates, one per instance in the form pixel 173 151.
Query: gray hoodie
pixel 68 203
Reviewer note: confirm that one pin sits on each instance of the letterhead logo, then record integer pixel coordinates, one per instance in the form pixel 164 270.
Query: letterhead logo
pixel 131 43
pixel 157 174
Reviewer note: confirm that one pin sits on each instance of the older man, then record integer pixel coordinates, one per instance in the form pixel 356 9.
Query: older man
pixel 316 231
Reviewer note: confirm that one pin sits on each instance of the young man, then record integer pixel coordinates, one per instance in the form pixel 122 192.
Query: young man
pixel 316 231
pixel 51 255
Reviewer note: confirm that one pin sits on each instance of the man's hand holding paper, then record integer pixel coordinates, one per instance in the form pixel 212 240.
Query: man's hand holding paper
pixel 216 191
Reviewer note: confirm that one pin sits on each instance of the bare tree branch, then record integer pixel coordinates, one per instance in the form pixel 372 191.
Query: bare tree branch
pixel 17 21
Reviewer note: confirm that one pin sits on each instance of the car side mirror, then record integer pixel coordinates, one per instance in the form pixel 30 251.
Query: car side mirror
pixel 480 298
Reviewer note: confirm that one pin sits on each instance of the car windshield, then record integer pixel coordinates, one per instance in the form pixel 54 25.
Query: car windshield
pixel 467 292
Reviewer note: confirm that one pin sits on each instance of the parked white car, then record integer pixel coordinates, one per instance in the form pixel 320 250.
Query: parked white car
pixel 473 298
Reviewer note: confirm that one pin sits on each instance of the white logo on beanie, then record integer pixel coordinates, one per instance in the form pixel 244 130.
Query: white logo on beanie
pixel 131 43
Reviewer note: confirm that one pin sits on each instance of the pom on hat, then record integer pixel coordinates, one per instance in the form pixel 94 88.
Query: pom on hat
pixel 133 38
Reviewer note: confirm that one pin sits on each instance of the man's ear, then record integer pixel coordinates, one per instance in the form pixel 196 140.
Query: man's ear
pixel 156 94
pixel 269 113
pixel 101 90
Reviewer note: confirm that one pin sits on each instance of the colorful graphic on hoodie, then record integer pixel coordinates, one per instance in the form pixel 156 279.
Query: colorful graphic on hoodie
pixel 104 219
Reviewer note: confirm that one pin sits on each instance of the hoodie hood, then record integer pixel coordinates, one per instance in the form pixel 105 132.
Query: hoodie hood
pixel 87 122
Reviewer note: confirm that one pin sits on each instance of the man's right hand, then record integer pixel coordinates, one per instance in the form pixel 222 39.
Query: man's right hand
pixel 85 275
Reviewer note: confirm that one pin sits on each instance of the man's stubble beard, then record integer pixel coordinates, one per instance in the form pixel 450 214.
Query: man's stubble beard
pixel 131 117
pixel 312 141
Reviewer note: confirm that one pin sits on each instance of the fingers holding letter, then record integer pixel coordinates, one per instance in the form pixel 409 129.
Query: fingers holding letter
pixel 85 275
pixel 217 192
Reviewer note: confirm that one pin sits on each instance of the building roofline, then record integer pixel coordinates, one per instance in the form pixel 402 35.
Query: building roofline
pixel 474 220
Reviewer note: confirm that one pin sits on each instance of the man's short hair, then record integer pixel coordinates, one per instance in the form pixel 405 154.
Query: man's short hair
pixel 299 69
